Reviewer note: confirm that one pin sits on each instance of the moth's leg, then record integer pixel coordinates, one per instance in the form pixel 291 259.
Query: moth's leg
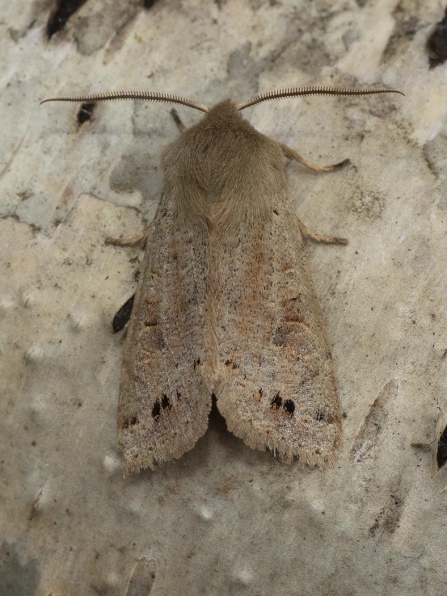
pixel 292 154
pixel 130 241
pixel 122 317
pixel 178 120
pixel 320 237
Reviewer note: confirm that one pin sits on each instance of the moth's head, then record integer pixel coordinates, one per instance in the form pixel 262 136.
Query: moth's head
pixel 222 114
pixel 227 107
pixel 224 109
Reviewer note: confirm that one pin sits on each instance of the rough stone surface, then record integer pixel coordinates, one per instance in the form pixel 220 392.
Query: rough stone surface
pixel 223 519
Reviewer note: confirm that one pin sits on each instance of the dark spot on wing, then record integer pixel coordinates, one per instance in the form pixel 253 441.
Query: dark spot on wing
pixel 276 402
pixel 156 410
pixel 161 405
pixel 289 406
pixel 231 363
pixel 151 321
pixel 130 422
pixel 258 395
pixel 157 338
pixel 280 336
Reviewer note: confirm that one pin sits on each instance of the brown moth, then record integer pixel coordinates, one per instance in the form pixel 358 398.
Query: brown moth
pixel 226 305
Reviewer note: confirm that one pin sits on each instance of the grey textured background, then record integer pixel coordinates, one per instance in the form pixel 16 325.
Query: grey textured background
pixel 223 519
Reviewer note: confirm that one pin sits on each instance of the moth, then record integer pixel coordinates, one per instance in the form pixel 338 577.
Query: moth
pixel 225 306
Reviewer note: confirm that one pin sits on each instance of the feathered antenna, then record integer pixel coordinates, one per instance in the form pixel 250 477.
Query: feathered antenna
pixel 301 91
pixel 140 95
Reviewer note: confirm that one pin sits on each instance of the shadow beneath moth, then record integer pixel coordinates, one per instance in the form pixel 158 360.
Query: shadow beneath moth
pixel 225 305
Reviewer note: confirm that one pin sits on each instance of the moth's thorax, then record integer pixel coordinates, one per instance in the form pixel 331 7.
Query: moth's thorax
pixel 223 165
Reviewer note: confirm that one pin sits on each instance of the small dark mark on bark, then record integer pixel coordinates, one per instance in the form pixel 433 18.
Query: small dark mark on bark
pixel 148 4
pixel 85 112
pixel 122 317
pixel 437 44
pixel 441 453
pixel 60 14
